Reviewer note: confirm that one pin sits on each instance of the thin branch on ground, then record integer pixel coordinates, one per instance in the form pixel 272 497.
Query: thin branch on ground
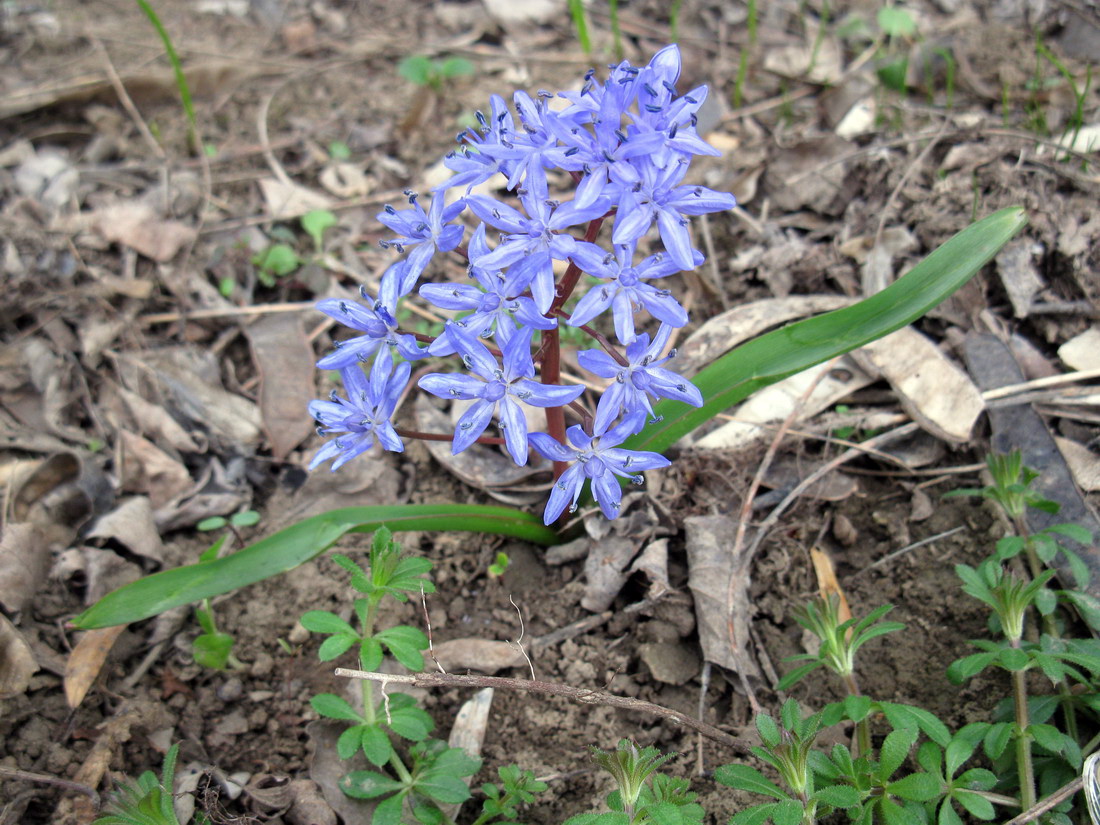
pixel 47 779
pixel 580 695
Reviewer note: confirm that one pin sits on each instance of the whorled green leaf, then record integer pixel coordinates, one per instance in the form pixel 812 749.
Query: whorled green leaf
pixel 295 545
pixel 799 346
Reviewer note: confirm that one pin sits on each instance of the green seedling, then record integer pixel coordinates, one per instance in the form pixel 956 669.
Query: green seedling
pixel 424 71
pixel 499 565
pixel 743 60
pixel 1011 596
pixel 212 648
pixel 433 773
pixel 282 258
pixel 148 801
pixel 896 24
pixel 316 223
pixel 338 150
pixel 642 795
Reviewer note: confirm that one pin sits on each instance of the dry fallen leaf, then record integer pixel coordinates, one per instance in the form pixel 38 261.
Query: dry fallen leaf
pixel 1082 352
pixel 136 224
pixel 17 663
pixel 606 572
pixel 24 562
pixel 86 660
pixel 773 404
pixel 720 586
pixel 286 201
pixel 132 525
pixel 484 655
pixel 1016 266
pixel 827 583
pixel 938 395
pixel 145 468
pixel 284 360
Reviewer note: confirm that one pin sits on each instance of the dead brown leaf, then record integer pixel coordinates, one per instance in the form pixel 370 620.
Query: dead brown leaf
pixel 284 360
pixel 720 585
pixel 131 524
pixel 86 661
pixel 938 395
pixel 484 655
pixel 24 562
pixel 17 663
pixel 147 469
pixel 827 583
pixel 136 224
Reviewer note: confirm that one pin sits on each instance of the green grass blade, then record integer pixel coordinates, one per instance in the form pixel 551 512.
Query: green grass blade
pixel 580 21
pixel 294 545
pixel 801 345
pixel 177 67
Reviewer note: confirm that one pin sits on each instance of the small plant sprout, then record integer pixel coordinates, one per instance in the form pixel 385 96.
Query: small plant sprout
pixel 425 71
pixel 642 795
pixel 315 224
pixel 432 773
pixel 787 747
pixel 499 565
pixel 840 641
pixel 149 800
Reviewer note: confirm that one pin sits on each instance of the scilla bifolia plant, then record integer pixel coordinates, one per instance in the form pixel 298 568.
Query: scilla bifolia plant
pixel 627 144
pixel 416 782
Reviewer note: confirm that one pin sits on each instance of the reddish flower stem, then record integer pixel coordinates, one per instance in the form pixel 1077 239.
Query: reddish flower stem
pixel 601 339
pixel 404 433
pixel 550 372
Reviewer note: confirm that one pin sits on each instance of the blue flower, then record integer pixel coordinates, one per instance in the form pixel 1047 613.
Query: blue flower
pixel 495 388
pixel 599 459
pixel 428 231
pixel 533 242
pixel 377 322
pixel 658 198
pixel 642 377
pixel 364 415
pixel 499 302
pixel 627 290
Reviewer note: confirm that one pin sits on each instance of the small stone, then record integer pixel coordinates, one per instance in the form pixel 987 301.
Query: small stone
pixel 233 724
pixel 262 666
pixel 673 663
pixel 298 634
pixel 230 690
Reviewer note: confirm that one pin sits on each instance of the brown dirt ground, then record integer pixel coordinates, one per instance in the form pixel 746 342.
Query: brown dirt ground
pixel 324 71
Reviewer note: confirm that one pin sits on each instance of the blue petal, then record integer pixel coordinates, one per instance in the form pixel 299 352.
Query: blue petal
pixel 564 493
pixel 546 395
pixel 549 448
pixel 514 423
pixel 472 424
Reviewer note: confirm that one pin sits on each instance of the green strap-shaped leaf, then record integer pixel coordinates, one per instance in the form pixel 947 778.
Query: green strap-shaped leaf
pixel 799 346
pixel 294 545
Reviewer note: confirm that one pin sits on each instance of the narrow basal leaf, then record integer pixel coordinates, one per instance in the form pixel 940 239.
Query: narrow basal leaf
pixel 295 545
pixel 799 346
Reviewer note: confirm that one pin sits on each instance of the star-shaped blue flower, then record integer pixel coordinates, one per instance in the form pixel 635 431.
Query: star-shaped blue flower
pixel 377 322
pixel 534 241
pixel 636 381
pixel 427 231
pixel 364 416
pixel 496 302
pixel 495 388
pixel 599 459
pixel 626 290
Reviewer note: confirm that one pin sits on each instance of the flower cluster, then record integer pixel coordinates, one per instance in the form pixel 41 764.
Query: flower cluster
pixel 627 144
